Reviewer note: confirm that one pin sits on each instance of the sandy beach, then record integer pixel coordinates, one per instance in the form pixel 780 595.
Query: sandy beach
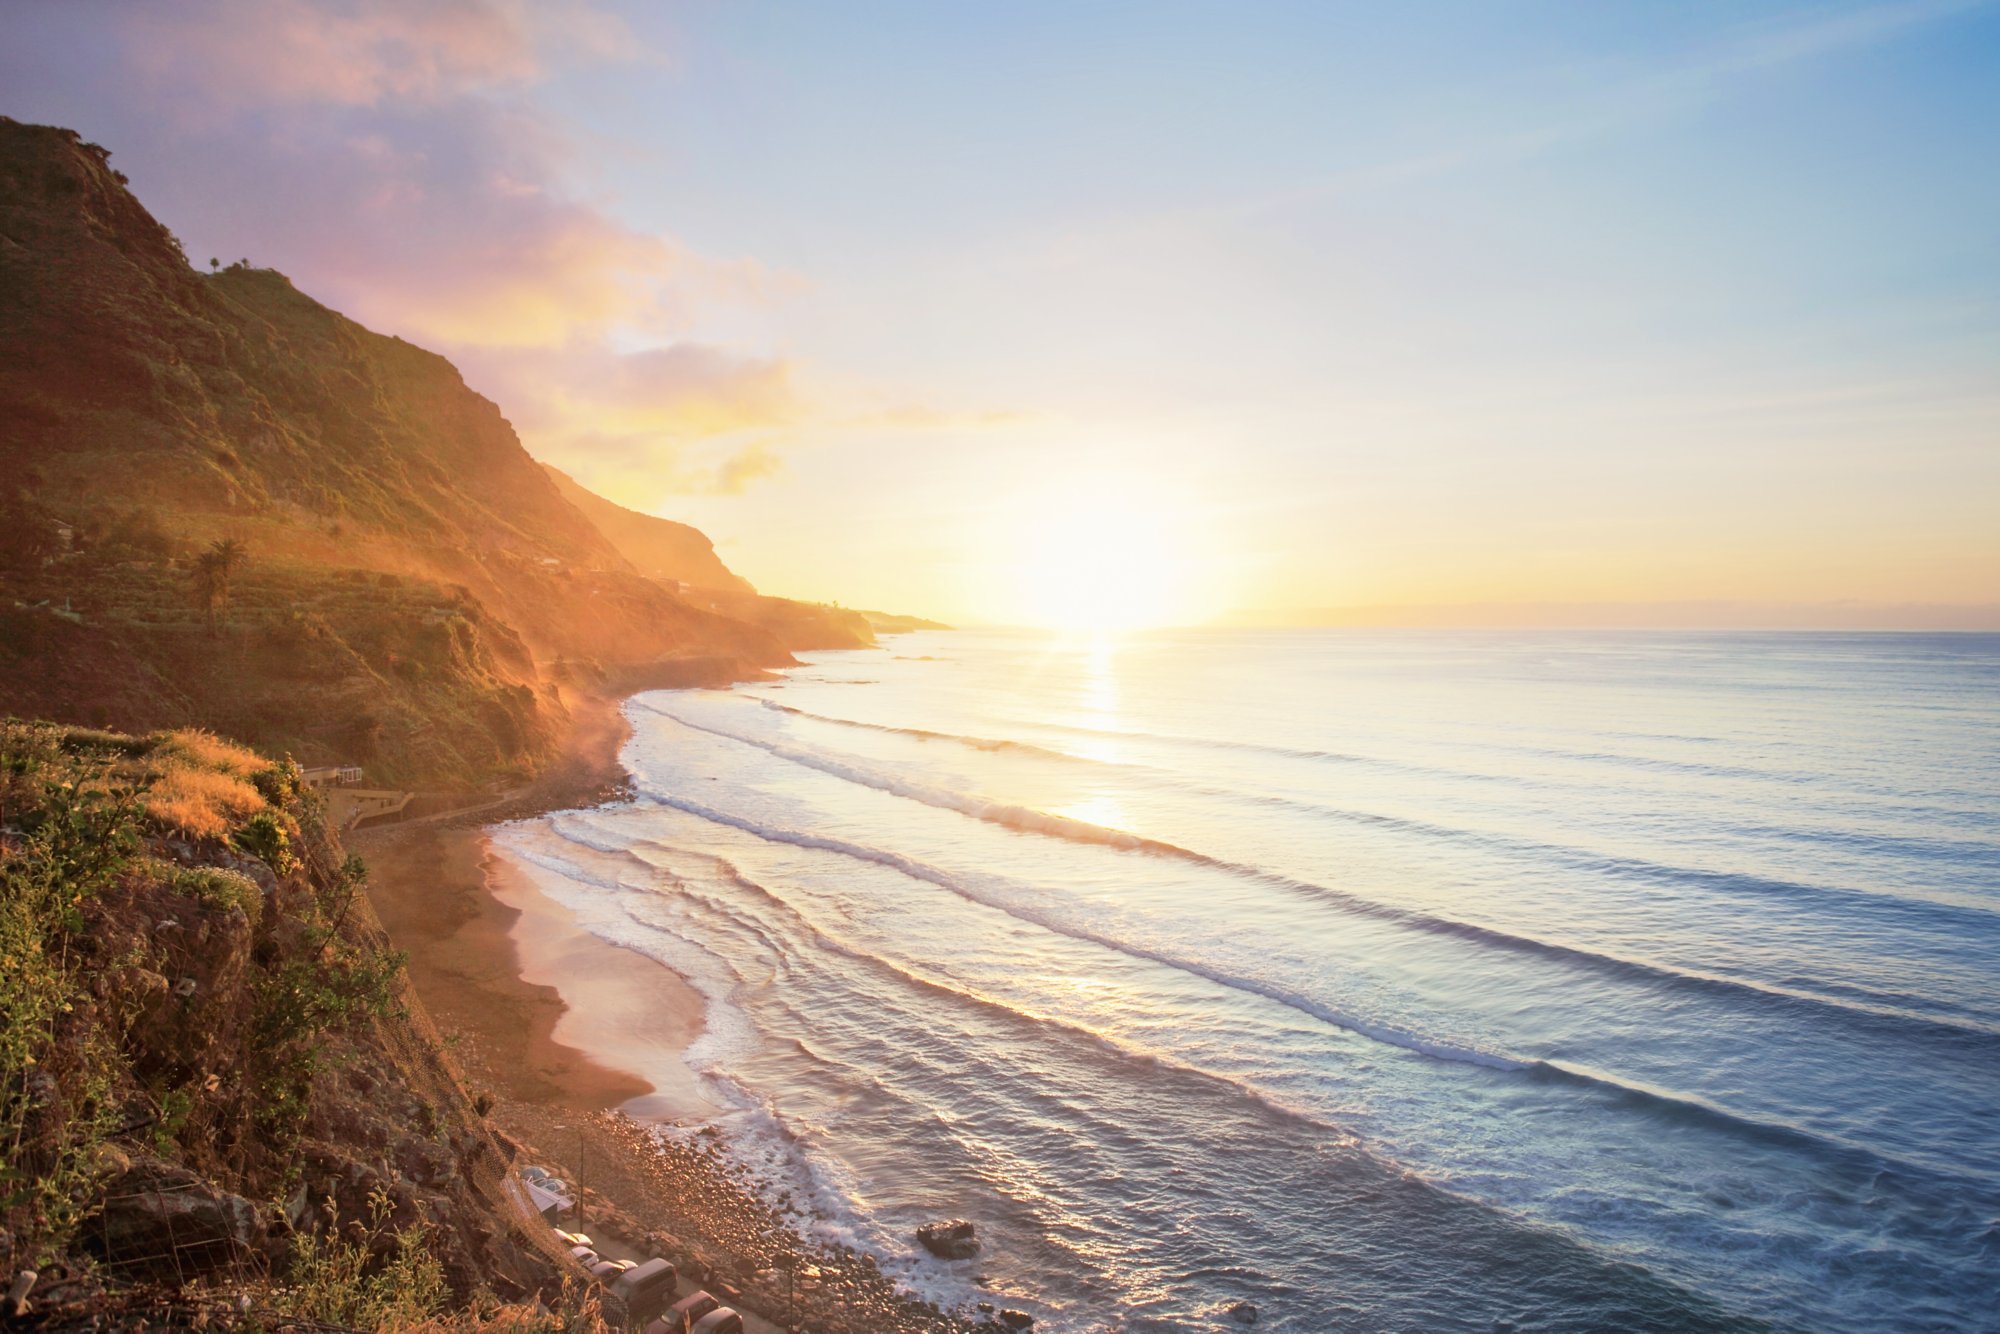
pixel 578 1042
pixel 542 1011
pixel 492 967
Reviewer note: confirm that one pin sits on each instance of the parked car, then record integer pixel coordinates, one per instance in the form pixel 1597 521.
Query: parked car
pixel 607 1272
pixel 574 1238
pixel 721 1320
pixel 645 1289
pixel 681 1316
pixel 585 1256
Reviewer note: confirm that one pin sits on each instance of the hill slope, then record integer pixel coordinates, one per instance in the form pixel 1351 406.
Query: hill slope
pixel 419 593
pixel 659 548
pixel 684 555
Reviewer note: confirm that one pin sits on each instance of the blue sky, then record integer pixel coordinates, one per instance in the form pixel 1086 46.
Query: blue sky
pixel 1328 304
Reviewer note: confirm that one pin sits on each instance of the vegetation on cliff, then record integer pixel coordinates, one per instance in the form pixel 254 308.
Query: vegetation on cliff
pixel 212 1077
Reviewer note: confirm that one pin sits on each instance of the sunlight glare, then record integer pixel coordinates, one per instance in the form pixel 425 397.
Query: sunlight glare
pixel 1098 560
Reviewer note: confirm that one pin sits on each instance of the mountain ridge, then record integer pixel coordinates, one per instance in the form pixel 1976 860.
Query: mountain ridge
pixel 419 594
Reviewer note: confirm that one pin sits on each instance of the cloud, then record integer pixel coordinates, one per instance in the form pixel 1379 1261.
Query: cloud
pixel 449 224
pixel 389 155
pixel 641 472
pixel 212 56
pixel 744 467
pixel 394 159
pixel 673 395
pixel 638 425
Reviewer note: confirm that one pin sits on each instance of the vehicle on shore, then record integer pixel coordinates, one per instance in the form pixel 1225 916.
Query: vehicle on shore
pixel 721 1320
pixel 682 1315
pixel 645 1289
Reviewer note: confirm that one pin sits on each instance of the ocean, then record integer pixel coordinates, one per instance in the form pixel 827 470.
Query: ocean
pixel 1383 980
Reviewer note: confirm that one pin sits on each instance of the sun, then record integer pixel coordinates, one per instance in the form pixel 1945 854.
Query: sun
pixel 1093 560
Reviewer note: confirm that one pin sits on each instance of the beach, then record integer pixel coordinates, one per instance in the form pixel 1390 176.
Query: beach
pixel 497 989
pixel 576 1043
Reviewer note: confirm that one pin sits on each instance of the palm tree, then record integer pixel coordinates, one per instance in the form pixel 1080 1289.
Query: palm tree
pixel 229 553
pixel 208 586
pixel 212 570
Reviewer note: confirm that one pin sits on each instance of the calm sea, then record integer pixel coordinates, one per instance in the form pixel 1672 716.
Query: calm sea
pixel 1398 981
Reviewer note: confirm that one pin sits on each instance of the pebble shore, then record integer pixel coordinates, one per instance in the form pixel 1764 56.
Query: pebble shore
pixel 678 1197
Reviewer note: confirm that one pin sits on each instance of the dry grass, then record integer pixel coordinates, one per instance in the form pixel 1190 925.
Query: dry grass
pixel 205 750
pixel 197 784
pixel 201 804
pixel 577 1312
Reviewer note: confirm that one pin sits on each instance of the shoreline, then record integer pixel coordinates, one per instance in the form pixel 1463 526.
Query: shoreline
pixel 578 1044
pixel 619 1010
pixel 430 884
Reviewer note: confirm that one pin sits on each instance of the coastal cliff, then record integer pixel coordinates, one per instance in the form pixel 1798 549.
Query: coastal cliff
pixel 215 1086
pixel 404 587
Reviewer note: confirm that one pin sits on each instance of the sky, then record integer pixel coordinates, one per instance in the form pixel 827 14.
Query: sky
pixel 1135 313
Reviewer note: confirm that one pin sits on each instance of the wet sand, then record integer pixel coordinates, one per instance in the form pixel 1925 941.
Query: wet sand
pixel 621 1010
pixel 494 959
pixel 492 997
pixel 578 1042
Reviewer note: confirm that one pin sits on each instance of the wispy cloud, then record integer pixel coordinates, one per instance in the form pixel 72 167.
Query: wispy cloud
pixel 207 58
pixel 1621 99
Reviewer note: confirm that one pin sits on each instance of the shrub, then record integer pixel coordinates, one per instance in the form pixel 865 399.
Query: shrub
pixel 332 984
pixel 214 885
pixel 336 1280
pixel 281 782
pixel 95 741
pixel 77 831
pixel 268 835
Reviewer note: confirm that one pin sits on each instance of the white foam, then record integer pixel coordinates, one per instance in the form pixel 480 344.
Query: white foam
pixel 1022 911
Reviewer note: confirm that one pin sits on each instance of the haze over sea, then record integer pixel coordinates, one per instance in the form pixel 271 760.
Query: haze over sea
pixel 1407 981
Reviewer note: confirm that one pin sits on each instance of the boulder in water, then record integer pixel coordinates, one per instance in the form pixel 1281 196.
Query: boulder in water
pixel 949 1239
pixel 1243 1313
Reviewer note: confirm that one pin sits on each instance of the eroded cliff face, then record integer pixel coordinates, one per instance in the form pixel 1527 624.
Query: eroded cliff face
pixel 418 592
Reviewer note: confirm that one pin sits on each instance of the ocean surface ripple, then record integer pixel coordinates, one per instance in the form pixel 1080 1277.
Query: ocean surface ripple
pixel 1421 981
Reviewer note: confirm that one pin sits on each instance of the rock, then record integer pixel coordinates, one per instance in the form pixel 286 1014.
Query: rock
pixel 165 1219
pixel 1243 1313
pixel 984 1308
pixel 17 1294
pixel 949 1239
pixel 1013 1319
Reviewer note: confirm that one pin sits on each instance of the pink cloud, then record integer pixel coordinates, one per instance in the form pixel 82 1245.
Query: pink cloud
pixel 390 157
pixel 217 54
